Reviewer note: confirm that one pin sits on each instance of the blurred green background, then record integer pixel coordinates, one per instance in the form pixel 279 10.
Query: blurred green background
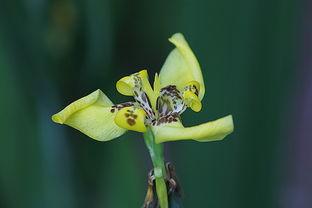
pixel 53 52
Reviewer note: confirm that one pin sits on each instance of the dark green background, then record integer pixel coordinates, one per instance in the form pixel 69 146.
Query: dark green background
pixel 54 52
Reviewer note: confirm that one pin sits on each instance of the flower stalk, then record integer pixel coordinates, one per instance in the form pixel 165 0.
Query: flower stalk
pixel 157 155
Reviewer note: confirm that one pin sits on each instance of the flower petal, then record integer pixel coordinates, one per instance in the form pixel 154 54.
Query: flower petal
pixel 210 131
pixel 192 101
pixel 125 86
pixel 92 115
pixel 181 66
pixel 131 118
pixel 137 82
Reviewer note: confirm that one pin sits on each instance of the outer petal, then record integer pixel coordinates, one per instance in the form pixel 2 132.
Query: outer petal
pixel 92 116
pixel 210 131
pixel 181 66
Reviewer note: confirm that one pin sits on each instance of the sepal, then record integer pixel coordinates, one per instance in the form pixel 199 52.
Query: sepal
pixel 210 131
pixel 92 115
pixel 181 66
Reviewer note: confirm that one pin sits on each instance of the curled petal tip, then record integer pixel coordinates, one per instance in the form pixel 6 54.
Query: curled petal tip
pixel 192 101
pixel 176 36
pixel 125 86
pixel 57 119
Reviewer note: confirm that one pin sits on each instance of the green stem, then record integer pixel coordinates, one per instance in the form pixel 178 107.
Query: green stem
pixel 157 155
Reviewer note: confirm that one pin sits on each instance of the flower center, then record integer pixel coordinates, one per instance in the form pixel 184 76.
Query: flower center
pixel 164 105
pixel 169 105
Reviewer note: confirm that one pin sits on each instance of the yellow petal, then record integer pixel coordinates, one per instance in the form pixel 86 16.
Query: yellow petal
pixel 92 116
pixel 181 66
pixel 210 131
pixel 137 82
pixel 131 118
pixel 192 101
pixel 125 86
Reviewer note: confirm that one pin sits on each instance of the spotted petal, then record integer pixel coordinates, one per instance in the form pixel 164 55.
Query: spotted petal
pixel 210 131
pixel 131 118
pixel 92 115
pixel 181 66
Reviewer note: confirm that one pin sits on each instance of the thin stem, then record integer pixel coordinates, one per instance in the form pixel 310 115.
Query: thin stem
pixel 157 155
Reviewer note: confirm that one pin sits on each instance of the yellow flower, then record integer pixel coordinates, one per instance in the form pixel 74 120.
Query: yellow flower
pixel 179 85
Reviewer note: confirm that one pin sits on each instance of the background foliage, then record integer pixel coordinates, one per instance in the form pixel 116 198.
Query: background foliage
pixel 54 52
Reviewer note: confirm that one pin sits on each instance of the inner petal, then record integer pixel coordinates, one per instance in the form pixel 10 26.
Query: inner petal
pixel 138 86
pixel 190 96
pixel 170 102
pixel 142 99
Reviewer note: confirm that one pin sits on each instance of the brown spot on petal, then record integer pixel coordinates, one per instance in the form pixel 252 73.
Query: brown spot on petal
pixel 112 110
pixel 134 116
pixel 131 122
pixel 127 115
